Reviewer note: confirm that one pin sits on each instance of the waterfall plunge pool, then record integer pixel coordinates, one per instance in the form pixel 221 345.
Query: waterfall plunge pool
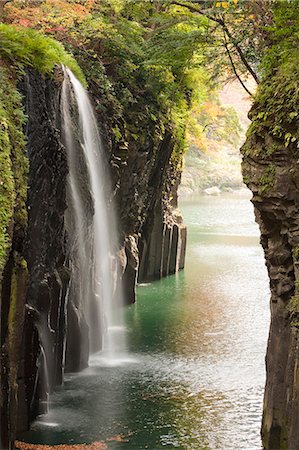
pixel 195 374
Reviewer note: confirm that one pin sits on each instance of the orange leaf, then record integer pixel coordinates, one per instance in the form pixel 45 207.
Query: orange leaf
pixel 25 22
pixel 93 446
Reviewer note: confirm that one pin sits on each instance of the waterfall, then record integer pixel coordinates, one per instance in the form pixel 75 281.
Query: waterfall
pixel 90 224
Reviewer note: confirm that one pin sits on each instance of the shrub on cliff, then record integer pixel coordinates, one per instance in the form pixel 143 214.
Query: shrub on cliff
pixel 19 48
pixel 23 47
pixel 276 106
pixel 137 54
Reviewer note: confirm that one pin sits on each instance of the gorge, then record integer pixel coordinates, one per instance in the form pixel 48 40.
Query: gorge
pixel 49 316
pixel 145 66
pixel 176 387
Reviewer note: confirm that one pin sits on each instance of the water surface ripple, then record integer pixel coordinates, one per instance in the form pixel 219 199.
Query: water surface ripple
pixel 195 374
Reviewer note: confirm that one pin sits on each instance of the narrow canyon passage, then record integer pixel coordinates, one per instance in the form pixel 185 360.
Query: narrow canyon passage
pixel 195 374
pixel 137 106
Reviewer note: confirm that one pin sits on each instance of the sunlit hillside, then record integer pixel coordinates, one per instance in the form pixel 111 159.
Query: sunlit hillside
pixel 214 160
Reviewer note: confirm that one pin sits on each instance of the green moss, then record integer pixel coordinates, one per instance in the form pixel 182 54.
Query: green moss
pixel 7 193
pixel 295 253
pixel 246 179
pixel 13 305
pixel 293 305
pixel 13 163
pixel 23 47
pixel 267 180
pixel 271 149
pixel 20 48
pixel 276 107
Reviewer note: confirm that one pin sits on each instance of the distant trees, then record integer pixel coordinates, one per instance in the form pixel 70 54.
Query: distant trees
pixel 170 51
pixel 228 37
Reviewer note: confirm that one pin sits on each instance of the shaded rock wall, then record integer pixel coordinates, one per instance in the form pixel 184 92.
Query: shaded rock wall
pixel 149 177
pixel 13 296
pixel 44 333
pixel 271 171
pixel 57 332
pixel 163 246
pixel 45 250
pixel 34 285
pixel 48 333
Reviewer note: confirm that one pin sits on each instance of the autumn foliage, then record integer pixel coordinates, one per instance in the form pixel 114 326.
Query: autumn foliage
pixel 93 446
pixel 50 16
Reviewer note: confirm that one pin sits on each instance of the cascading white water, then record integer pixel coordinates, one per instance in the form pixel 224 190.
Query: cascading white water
pixel 91 224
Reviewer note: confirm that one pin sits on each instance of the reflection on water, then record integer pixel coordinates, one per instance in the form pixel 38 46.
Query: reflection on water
pixel 195 374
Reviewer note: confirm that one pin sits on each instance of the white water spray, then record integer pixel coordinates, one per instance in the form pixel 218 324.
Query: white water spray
pixel 94 246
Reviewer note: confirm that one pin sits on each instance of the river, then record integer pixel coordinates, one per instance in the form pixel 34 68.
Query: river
pixel 195 373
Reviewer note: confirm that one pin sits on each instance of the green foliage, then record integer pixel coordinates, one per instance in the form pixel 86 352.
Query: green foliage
pixel 267 180
pixel 293 307
pixel 276 105
pixel 295 253
pixel 23 47
pixel 20 48
pixel 142 60
pixel 13 163
pixel 211 121
pixel 146 58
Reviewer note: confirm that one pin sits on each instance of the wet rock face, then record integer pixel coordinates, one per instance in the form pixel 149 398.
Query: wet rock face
pixel 145 179
pixel 45 250
pixel 271 171
pixel 51 335
pixel 147 199
pixel 34 284
pixel 131 268
pixel 55 329
pixel 163 246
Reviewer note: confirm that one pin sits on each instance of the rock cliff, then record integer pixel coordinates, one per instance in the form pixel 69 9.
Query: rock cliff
pixel 146 166
pixel 270 169
pixel 48 328
pixel 44 248
pixel 152 223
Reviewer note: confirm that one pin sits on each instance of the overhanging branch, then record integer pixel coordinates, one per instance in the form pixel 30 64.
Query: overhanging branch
pixel 234 68
pixel 225 28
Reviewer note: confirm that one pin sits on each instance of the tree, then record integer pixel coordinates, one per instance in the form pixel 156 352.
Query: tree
pixel 240 29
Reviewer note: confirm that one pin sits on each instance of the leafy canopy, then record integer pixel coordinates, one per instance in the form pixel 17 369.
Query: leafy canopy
pixel 24 47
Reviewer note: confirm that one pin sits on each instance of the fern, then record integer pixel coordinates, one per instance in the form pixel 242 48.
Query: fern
pixel 23 47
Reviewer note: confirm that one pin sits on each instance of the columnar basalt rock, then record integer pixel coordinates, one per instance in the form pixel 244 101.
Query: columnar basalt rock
pixel 163 246
pixel 45 250
pixel 33 291
pixel 271 171
pixel 50 334
pixel 147 204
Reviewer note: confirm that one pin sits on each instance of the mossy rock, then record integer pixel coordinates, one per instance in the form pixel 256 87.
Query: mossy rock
pixel 20 48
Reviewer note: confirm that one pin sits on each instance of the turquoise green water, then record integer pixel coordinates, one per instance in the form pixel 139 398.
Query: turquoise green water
pixel 194 374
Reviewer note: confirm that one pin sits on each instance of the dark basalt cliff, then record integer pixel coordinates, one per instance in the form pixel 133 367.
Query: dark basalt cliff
pixel 155 233
pixel 146 173
pixel 44 295
pixel 271 171
pixel 270 168
pixel 47 327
